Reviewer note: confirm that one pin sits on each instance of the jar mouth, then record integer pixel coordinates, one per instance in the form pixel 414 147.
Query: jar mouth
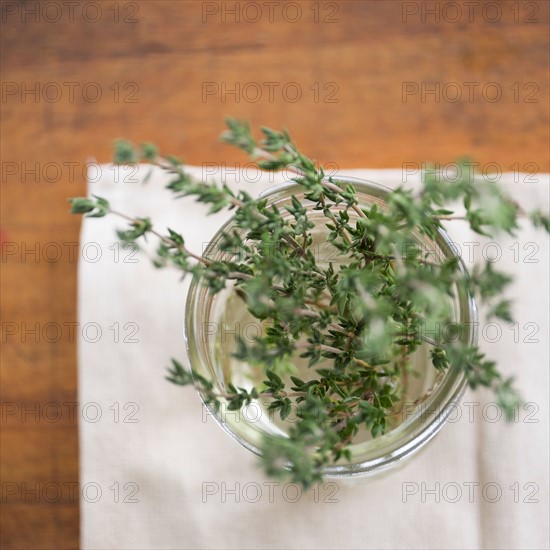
pixel 412 433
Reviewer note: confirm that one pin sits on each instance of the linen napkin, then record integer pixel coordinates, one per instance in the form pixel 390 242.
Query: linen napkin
pixel 156 471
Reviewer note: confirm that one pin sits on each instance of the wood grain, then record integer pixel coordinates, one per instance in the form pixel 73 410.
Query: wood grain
pixel 154 76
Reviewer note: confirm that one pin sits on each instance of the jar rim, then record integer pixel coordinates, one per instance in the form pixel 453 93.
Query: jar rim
pixel 413 433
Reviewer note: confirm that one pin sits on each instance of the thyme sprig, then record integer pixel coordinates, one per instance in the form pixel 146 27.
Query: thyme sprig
pixel 357 320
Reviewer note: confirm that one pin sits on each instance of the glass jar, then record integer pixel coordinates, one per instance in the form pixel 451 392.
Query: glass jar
pixel 211 324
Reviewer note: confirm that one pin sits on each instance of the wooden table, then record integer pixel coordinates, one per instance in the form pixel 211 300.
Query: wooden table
pixel 360 83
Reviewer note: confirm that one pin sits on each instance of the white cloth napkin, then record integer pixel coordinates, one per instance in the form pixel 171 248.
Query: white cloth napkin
pixel 157 472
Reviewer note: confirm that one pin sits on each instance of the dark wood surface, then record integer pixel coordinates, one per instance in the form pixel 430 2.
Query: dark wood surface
pixel 153 62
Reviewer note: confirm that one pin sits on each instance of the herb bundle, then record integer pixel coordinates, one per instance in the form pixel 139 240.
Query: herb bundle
pixel 356 321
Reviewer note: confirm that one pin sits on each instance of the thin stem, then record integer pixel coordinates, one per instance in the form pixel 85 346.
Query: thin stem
pixel 296 245
pixel 281 393
pixel 168 167
pixel 343 230
pixel 333 187
pixel 307 313
pixel 326 184
pixel 322 347
pixel 164 238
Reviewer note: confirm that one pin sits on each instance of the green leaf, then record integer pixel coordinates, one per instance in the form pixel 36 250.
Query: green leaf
pixel 502 310
pixel 508 399
pixel 439 359
pixel 178 375
pixel 92 208
pixel 540 219
pixel 125 152
pixel 138 228
pixel 149 151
